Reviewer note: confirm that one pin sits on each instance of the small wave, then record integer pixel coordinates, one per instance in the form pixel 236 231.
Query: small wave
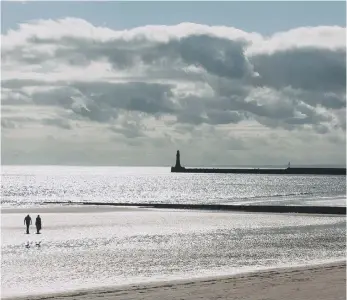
pixel 274 195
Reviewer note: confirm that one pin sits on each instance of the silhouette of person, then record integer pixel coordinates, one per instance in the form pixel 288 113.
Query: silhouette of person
pixel 27 222
pixel 38 224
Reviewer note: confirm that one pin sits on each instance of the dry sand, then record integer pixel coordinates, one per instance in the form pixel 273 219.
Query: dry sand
pixel 319 282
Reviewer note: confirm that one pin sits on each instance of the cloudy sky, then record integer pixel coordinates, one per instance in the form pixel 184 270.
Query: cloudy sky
pixel 112 83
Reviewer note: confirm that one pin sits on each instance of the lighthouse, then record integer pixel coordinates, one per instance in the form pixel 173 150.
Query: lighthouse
pixel 178 160
pixel 178 167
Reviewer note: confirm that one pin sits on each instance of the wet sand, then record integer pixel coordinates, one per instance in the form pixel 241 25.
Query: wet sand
pixel 316 282
pixel 67 209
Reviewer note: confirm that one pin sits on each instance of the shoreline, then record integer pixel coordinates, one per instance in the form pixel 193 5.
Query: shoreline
pixel 312 281
pixel 299 209
pixel 107 207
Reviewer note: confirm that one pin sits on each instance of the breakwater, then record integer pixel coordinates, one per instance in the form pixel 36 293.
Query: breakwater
pixel 334 210
pixel 287 171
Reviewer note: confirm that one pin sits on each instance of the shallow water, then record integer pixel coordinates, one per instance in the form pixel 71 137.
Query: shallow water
pixel 80 250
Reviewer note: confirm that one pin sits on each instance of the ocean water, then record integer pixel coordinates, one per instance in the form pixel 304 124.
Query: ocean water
pixel 86 247
pixel 25 185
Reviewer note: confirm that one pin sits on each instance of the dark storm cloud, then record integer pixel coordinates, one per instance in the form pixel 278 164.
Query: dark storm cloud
pixel 307 68
pixel 133 96
pixel 218 56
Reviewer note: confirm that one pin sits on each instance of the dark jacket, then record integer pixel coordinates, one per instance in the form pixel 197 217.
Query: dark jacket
pixel 27 220
pixel 38 222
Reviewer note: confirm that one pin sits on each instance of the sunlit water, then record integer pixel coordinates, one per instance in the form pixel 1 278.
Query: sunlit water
pixel 32 185
pixel 93 247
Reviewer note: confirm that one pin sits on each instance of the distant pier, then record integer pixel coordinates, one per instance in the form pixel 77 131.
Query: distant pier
pixel 285 171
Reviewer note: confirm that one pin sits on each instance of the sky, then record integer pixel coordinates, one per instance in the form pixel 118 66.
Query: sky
pixel 129 83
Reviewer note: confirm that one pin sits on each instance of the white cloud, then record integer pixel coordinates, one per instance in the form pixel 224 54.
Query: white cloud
pixel 320 37
pixel 158 88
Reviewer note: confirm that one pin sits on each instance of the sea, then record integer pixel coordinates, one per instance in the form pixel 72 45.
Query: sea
pixel 102 246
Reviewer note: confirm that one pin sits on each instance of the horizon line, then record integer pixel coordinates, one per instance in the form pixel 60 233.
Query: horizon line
pixel 169 166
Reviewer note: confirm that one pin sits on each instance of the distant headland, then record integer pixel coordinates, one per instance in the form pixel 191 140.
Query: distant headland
pixel 285 171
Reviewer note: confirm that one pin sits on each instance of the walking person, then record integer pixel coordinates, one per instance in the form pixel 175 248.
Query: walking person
pixel 27 222
pixel 38 224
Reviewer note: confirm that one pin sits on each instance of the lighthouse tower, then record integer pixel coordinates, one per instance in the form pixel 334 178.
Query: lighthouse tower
pixel 178 167
pixel 178 161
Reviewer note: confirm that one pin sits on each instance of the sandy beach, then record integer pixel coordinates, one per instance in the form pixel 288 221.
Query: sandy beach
pixel 326 282
pixel 141 253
